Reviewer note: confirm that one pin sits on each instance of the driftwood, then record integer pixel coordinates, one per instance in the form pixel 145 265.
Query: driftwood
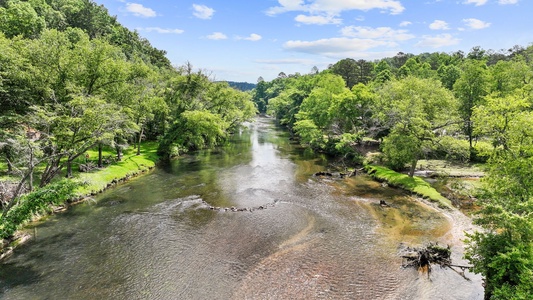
pixel 422 258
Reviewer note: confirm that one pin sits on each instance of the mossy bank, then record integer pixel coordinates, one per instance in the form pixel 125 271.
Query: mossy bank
pixel 413 184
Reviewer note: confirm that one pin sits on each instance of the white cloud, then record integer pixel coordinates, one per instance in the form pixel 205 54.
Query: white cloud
pixel 140 11
pixel 504 2
pixel 254 37
pixel 476 2
pixel 383 33
pixel 405 23
pixel 160 30
pixel 475 23
pixel 337 47
pixel 439 25
pixel 335 7
pixel 317 20
pixel 217 36
pixel 202 11
pixel 437 41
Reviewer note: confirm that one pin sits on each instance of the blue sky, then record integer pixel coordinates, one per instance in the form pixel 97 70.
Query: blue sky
pixel 244 39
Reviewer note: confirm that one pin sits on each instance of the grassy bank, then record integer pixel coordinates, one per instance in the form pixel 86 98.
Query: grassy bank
pixel 130 165
pixel 60 193
pixel 414 184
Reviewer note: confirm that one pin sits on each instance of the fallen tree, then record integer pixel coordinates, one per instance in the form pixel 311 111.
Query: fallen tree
pixel 423 257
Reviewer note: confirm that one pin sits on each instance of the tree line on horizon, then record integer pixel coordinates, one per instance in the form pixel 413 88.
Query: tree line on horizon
pixel 474 107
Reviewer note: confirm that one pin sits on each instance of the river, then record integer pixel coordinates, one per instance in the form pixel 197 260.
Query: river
pixel 245 221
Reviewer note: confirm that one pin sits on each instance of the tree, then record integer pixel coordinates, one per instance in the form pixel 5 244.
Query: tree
pixel 413 109
pixel 194 130
pixel 70 129
pixel 346 68
pixel 352 112
pixel 16 76
pixel 503 251
pixel 506 120
pixel 259 96
pixel 506 77
pixel 448 75
pixel 470 89
pixel 19 18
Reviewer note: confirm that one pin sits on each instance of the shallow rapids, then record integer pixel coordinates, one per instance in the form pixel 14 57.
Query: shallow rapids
pixel 246 221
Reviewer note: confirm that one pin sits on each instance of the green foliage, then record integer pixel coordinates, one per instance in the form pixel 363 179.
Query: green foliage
pixel 503 253
pixel 19 18
pixel 470 89
pixel 193 130
pixel 413 109
pixel 354 71
pixel 37 202
pixel 400 148
pixel 448 75
pixel 310 133
pixel 507 120
pixel 452 149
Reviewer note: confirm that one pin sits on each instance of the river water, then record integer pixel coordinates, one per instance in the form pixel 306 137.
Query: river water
pixel 246 221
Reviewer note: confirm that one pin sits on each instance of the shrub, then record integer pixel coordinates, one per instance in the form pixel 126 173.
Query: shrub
pixel 450 148
pixel 37 202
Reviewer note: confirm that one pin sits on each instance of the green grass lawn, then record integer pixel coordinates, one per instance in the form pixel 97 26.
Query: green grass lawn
pixel 131 164
pixel 414 184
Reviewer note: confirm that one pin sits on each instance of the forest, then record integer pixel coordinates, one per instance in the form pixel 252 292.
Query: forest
pixel 72 79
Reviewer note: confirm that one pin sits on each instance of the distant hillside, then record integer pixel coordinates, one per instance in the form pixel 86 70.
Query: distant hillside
pixel 243 86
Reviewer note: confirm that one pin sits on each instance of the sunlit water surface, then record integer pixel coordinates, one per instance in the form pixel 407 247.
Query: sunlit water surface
pixel 300 237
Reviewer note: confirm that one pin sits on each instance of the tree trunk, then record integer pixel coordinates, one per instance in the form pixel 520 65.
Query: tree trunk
pixel 469 130
pixel 119 153
pixel 139 141
pixel 9 166
pixel 69 169
pixel 100 161
pixel 50 172
pixel 30 170
pixel 413 167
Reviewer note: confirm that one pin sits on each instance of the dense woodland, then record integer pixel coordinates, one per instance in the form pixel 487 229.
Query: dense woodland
pixel 474 107
pixel 72 79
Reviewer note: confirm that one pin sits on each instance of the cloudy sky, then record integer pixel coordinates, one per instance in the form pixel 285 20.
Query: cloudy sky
pixel 243 39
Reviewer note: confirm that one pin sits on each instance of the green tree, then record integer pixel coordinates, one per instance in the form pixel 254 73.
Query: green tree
pixel 414 110
pixel 71 129
pixel 470 89
pixel 448 75
pixel 503 252
pixel 348 69
pixel 19 18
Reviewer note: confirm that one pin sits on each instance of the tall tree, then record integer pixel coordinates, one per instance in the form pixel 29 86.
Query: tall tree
pixel 470 89
pixel 414 109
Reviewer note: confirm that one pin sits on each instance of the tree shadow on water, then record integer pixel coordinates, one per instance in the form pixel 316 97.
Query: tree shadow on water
pixel 13 274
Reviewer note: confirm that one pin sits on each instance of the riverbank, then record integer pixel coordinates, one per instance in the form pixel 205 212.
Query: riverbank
pixel 60 195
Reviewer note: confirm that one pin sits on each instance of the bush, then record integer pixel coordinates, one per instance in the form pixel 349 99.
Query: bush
pixel 483 151
pixel 37 202
pixel 453 149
